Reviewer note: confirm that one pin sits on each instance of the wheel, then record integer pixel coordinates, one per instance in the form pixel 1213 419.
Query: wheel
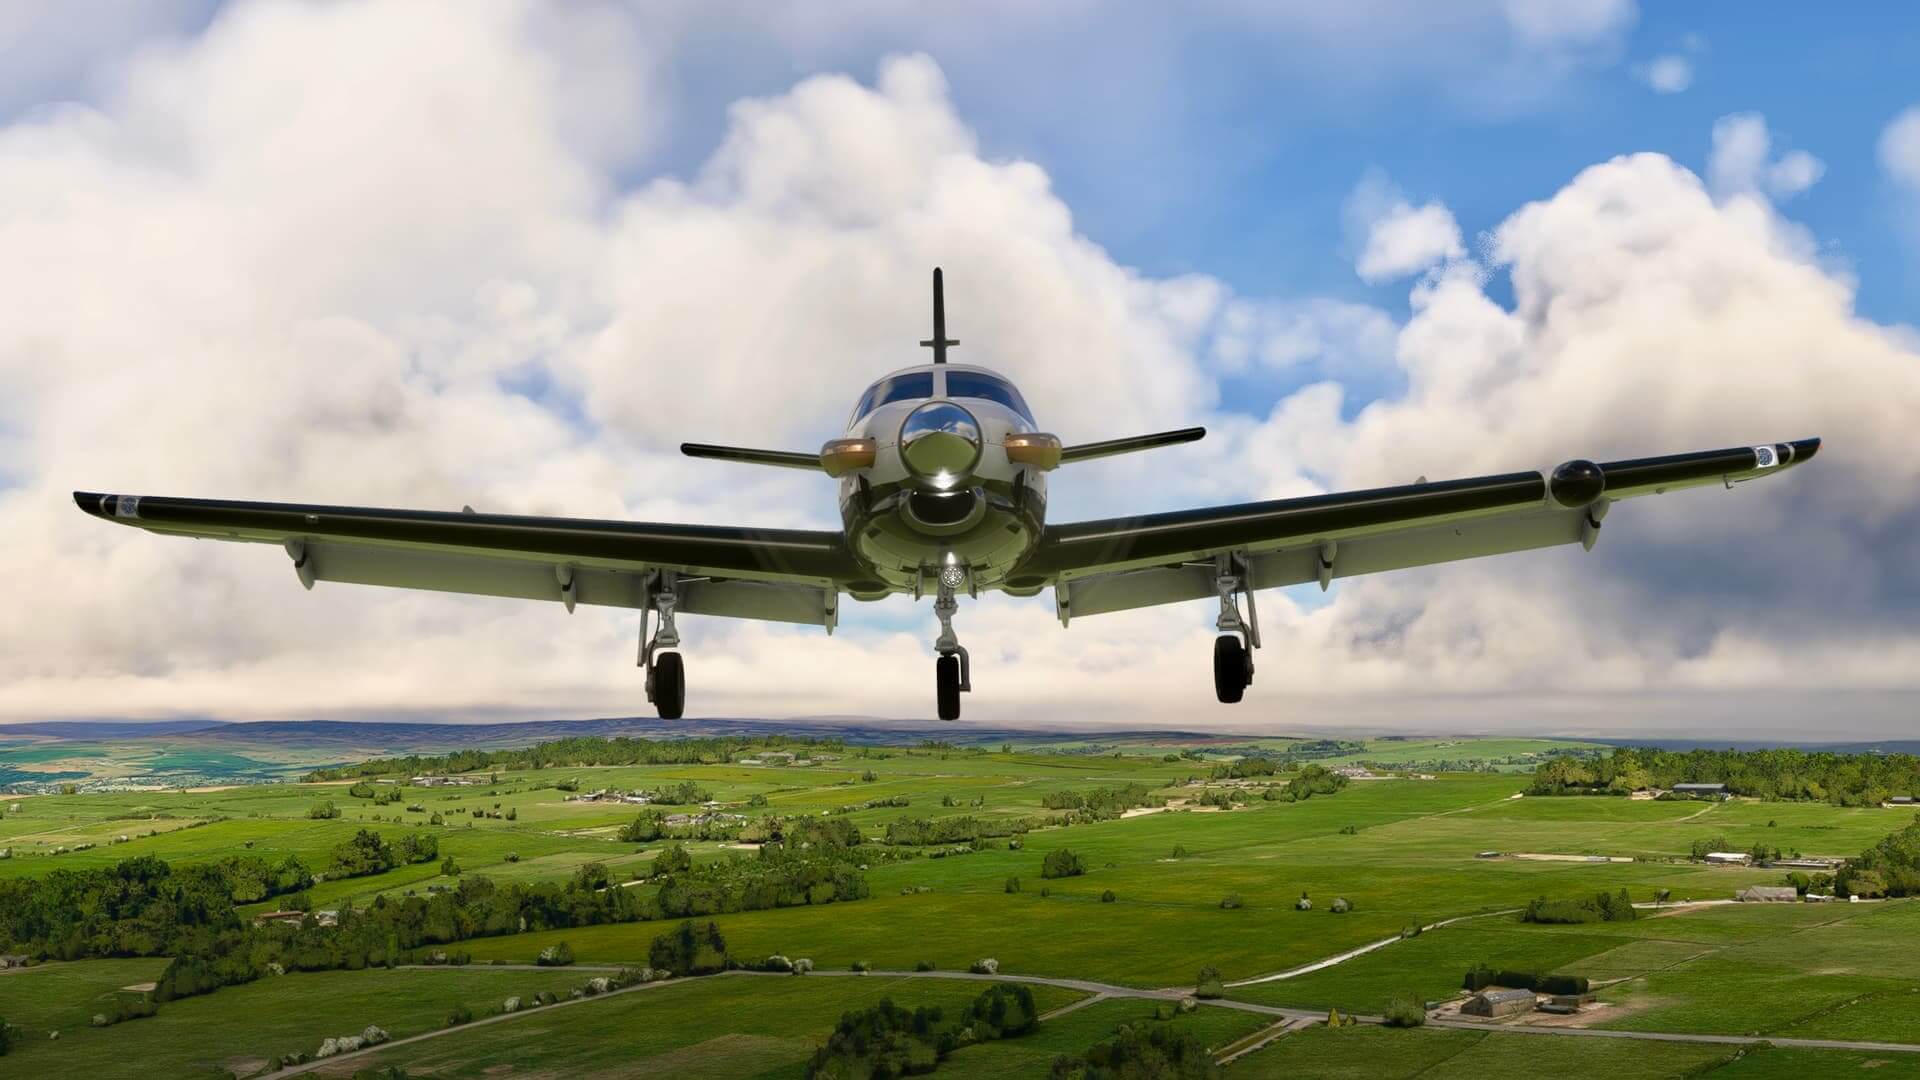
pixel 669 686
pixel 946 673
pixel 1231 672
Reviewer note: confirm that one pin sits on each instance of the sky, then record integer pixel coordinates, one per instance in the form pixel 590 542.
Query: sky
pixel 511 254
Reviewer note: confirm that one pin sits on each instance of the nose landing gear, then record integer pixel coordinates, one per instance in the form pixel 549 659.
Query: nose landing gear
pixel 666 672
pixel 953 672
pixel 1233 649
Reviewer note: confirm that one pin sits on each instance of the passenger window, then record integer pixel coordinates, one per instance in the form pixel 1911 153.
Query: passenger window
pixel 975 385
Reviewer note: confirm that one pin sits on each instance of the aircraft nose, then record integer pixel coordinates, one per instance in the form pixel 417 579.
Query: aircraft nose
pixel 940 443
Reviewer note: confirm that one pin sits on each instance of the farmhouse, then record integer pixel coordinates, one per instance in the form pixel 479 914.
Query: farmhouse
pixel 1355 772
pixel 1768 894
pixel 1902 801
pixel 292 918
pixel 1492 1003
pixel 1703 790
pixel 1728 858
pixel 447 781
pixel 776 757
pixel 1805 863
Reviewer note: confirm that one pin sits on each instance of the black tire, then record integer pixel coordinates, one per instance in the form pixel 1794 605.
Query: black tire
pixel 946 672
pixel 669 686
pixel 1230 674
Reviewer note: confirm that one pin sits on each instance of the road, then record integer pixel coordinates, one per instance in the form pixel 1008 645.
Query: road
pixel 1288 1019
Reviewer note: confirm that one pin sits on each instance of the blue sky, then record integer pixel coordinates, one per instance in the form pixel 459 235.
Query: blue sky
pixel 509 254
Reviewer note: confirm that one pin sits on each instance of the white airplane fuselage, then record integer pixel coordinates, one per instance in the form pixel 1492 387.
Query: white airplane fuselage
pixel 942 491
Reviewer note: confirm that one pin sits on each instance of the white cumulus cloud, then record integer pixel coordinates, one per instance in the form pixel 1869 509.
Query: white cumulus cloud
pixel 1395 237
pixel 1668 74
pixel 1742 163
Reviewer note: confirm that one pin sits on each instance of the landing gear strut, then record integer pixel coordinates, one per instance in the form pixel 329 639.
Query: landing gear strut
pixel 666 672
pixel 1239 636
pixel 953 672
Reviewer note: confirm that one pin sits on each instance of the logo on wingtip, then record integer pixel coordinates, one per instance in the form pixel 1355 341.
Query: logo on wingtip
pixel 127 506
pixel 1764 457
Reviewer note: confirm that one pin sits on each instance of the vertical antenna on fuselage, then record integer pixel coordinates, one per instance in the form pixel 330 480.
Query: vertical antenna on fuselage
pixel 939 342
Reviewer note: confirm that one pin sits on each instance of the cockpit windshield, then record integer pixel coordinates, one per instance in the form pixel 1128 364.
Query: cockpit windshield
pixel 973 384
pixel 913 384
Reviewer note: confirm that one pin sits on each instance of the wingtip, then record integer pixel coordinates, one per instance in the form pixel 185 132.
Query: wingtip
pixel 91 502
pixel 1803 449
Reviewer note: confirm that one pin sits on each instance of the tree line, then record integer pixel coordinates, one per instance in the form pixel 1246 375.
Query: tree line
pixel 1809 775
pixel 578 750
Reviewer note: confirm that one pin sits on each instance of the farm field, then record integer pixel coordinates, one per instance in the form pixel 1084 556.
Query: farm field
pixel 1206 874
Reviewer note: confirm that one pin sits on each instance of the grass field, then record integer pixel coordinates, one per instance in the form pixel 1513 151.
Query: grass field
pixel 1402 851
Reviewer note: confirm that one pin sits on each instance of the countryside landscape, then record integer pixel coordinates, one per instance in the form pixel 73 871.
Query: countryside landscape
pixel 1166 904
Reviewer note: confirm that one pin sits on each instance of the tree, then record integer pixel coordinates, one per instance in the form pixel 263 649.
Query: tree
pixel 323 811
pixel 649 826
pixel 689 949
pixel 673 859
pixel 449 868
pixel 1061 862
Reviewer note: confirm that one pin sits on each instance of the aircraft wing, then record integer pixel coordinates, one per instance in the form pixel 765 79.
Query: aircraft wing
pixel 1122 563
pixel 785 575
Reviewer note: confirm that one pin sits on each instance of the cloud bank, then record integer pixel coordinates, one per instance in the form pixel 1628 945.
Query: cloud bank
pixel 247 275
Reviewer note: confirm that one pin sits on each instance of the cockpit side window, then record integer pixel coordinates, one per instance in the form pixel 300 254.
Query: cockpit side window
pixel 975 385
pixel 913 384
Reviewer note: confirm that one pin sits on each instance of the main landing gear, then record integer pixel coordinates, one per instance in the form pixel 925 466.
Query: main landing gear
pixel 953 672
pixel 666 673
pixel 1239 636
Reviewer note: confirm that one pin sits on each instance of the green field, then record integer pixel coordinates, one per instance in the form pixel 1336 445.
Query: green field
pixel 1402 851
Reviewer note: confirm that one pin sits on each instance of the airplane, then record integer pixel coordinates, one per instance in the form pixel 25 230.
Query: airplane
pixel 942 471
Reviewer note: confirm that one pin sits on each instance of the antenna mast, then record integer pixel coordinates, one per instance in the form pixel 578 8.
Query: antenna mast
pixel 939 342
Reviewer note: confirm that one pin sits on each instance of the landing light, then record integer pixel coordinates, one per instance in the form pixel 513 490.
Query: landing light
pixel 842 456
pixel 1035 448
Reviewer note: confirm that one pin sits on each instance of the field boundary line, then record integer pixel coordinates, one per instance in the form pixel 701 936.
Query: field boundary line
pixel 1341 958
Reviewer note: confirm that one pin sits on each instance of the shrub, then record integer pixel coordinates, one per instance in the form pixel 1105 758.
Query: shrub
pixel 449 868
pixel 460 1015
pixel 323 811
pixel 861 966
pixel 1061 862
pixel 1478 978
pixel 1179 851
pixel 1515 980
pixel 559 955
pixel 1341 905
pixel 985 966
pixel 924 965
pixel 1231 901
pixel 1405 1011
pixel 1013 884
pixel 1349 830
pixel 1107 897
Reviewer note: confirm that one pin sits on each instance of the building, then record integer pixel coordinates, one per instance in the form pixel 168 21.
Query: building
pixel 1354 772
pixel 1768 894
pixel 1902 801
pixel 777 757
pixel 1728 858
pixel 1495 1003
pixel 290 918
pixel 1804 863
pixel 1703 790
pixel 13 960
pixel 1488 855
